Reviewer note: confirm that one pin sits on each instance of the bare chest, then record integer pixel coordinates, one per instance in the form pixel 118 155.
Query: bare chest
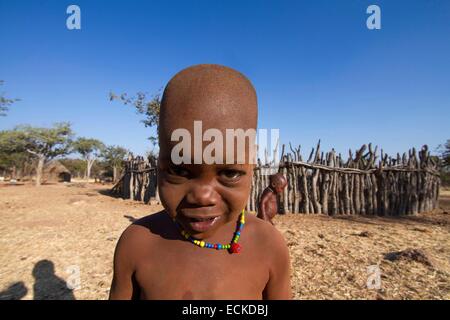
pixel 200 273
pixel 272 205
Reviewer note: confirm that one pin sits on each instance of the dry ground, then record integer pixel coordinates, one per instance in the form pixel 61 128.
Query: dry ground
pixel 46 231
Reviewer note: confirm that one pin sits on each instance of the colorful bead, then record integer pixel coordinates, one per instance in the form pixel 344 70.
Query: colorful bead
pixel 235 248
pixel 232 247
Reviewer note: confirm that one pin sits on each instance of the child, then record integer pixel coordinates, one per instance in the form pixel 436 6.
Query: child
pixel 202 245
pixel 268 206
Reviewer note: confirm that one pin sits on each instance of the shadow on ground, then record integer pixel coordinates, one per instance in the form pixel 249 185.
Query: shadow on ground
pixel 109 193
pixel 47 285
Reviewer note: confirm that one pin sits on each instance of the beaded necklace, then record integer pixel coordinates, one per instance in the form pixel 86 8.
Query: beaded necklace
pixel 232 247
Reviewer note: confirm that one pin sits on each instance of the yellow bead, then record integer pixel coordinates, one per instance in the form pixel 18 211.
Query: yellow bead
pixel 202 244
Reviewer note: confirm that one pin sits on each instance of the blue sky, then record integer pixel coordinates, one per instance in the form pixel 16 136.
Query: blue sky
pixel 318 71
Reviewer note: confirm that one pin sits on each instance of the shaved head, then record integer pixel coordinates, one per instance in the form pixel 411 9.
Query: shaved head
pixel 278 179
pixel 219 96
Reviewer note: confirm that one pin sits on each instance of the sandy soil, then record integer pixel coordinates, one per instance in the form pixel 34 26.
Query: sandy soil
pixel 50 233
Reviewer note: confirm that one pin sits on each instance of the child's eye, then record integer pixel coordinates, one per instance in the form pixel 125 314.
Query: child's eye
pixel 178 171
pixel 230 174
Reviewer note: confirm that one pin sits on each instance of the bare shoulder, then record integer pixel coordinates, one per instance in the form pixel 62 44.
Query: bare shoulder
pixel 266 234
pixel 267 193
pixel 144 232
pixel 133 247
pixel 142 227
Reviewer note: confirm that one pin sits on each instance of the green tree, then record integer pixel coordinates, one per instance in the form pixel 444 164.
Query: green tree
pixel 444 151
pixel 44 144
pixel 114 157
pixel 5 103
pixel 444 156
pixel 13 154
pixel 149 107
pixel 90 150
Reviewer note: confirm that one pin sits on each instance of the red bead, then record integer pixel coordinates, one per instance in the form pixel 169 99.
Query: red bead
pixel 235 248
pixel 215 246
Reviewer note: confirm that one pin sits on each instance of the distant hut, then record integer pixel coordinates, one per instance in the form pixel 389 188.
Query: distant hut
pixel 55 171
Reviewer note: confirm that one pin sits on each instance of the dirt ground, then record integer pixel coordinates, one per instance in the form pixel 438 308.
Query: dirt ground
pixel 51 234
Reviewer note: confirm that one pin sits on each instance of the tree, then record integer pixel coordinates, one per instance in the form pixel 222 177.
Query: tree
pixel 89 149
pixel 444 151
pixel 150 108
pixel 44 144
pixel 114 157
pixel 13 152
pixel 5 102
pixel 444 155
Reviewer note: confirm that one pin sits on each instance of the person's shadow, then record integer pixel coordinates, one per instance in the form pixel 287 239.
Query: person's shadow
pixel 16 291
pixel 48 286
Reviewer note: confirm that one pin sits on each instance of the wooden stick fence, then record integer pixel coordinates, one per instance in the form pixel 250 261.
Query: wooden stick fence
pixel 139 180
pixel 325 183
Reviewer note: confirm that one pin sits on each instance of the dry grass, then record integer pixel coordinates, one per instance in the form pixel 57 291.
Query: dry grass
pixel 67 225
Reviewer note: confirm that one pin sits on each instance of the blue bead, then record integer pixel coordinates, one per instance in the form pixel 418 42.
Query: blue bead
pixel 238 232
pixel 219 246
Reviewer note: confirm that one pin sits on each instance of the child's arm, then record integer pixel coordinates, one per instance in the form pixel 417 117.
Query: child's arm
pixel 279 285
pixel 262 207
pixel 122 283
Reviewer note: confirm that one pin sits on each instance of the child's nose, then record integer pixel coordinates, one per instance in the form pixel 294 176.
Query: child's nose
pixel 202 195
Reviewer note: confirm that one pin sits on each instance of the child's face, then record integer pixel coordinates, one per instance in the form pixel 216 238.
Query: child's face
pixel 202 197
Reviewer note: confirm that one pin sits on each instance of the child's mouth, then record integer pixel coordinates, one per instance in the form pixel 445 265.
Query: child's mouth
pixel 201 224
